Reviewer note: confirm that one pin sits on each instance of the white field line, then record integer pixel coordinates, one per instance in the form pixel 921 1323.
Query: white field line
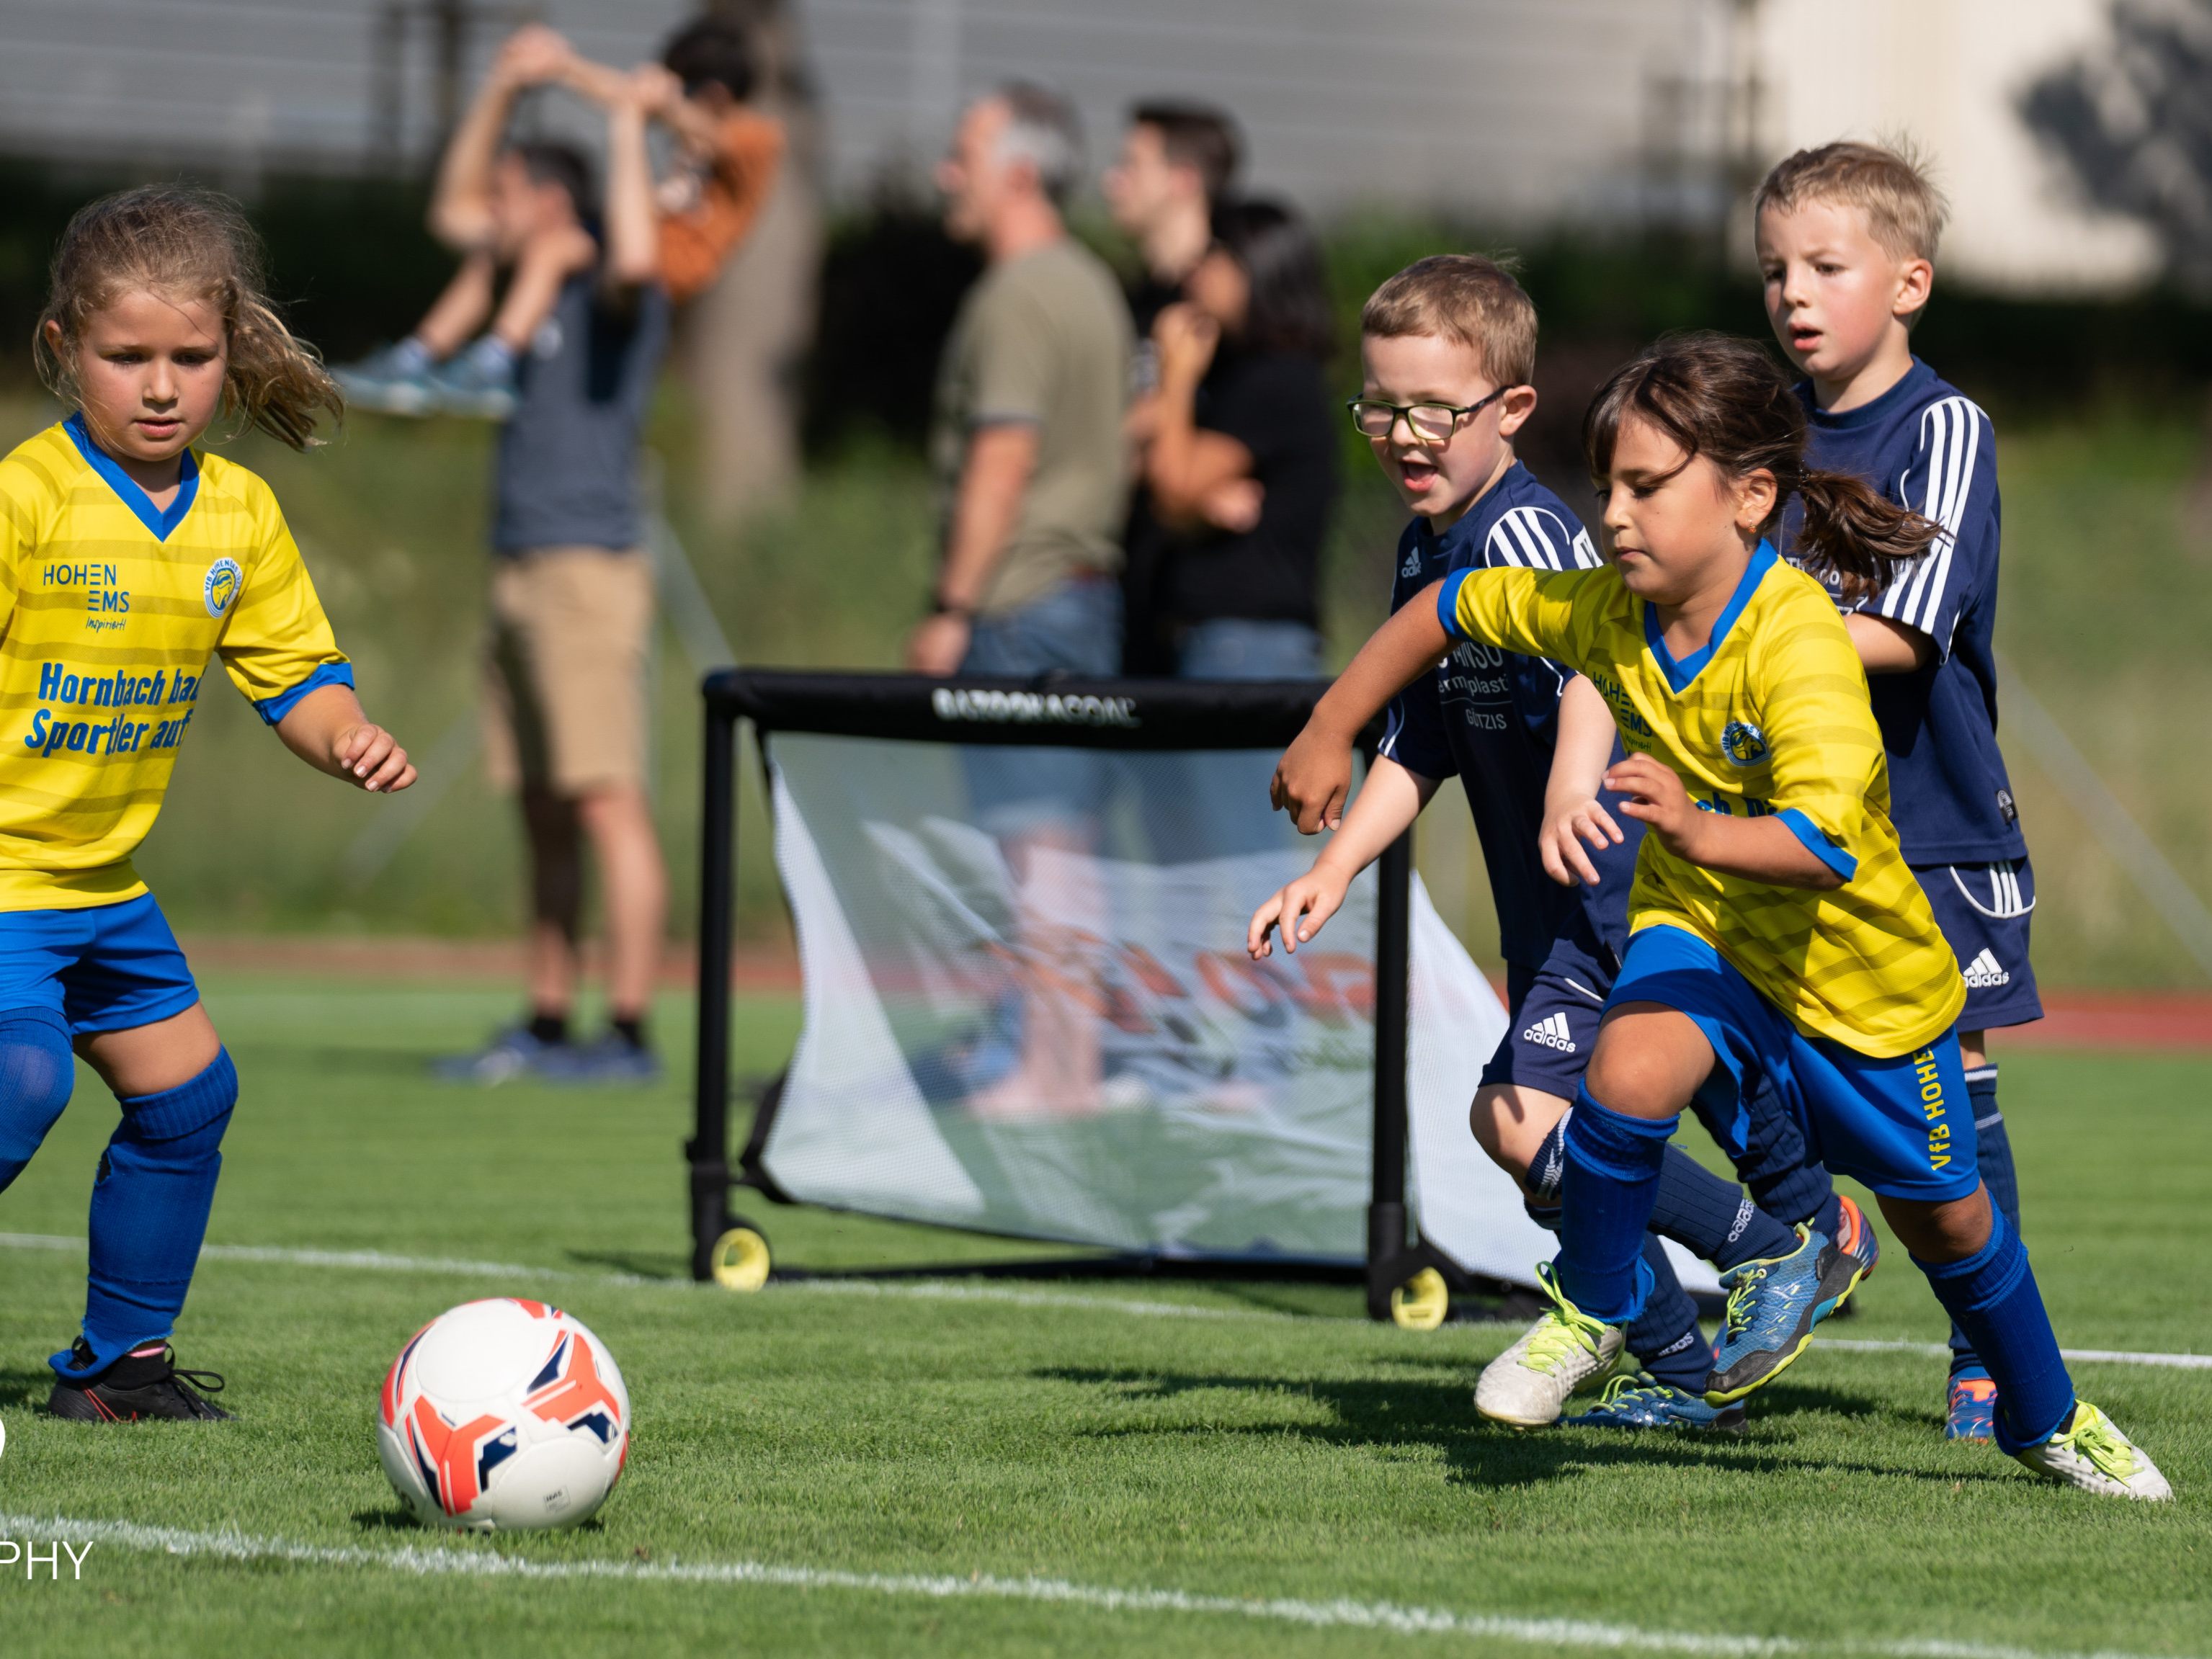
pixel 1385 1617
pixel 938 1290
pixel 919 1290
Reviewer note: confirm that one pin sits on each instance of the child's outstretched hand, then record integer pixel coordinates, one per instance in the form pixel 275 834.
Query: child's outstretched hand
pixel 1559 842
pixel 371 757
pixel 1300 910
pixel 1656 795
pixel 1312 781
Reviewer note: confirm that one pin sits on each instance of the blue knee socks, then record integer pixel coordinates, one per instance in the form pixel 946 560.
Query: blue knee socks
pixel 150 1213
pixel 1665 1338
pixel 1693 1206
pixel 1612 1179
pixel 1992 1296
pixel 1714 1217
pixel 37 1073
pixel 1993 1153
pixel 1779 1168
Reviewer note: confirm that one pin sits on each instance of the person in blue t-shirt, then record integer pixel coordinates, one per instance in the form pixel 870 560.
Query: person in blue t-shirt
pixel 1448 348
pixel 1847 236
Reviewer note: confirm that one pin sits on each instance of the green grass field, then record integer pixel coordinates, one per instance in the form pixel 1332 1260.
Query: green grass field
pixel 1208 1469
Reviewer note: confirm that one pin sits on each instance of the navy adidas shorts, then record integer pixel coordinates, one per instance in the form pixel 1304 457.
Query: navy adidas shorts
pixel 1552 1018
pixel 1984 910
pixel 105 967
pixel 1903 1124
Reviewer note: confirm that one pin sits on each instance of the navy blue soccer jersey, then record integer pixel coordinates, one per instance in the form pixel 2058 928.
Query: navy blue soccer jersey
pixel 1492 717
pixel 1925 445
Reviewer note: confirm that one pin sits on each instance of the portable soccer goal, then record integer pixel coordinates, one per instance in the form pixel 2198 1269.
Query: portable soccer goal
pixel 1028 1010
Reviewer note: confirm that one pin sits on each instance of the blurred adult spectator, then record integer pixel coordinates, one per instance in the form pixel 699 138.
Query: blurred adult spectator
pixel 1027 441
pixel 1241 467
pixel 1179 161
pixel 572 586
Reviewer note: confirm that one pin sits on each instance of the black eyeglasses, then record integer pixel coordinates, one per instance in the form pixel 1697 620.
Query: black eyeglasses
pixel 1431 425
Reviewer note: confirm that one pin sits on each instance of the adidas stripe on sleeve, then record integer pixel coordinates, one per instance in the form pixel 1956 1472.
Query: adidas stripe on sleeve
pixel 1952 481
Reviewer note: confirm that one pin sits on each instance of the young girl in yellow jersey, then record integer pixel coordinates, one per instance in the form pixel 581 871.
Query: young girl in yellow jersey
pixel 126 560
pixel 1777 932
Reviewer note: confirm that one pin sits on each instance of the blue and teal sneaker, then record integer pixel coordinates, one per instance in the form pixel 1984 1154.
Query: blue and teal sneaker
pixel 1642 1402
pixel 1971 1413
pixel 1772 1306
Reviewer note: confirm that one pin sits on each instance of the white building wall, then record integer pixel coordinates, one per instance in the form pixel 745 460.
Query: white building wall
pixel 1518 114
pixel 1949 74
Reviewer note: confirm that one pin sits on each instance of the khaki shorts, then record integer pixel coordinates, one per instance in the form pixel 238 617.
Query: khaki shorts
pixel 564 681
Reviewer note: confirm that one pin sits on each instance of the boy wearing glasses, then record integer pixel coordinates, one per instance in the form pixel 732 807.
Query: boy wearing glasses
pixel 1448 349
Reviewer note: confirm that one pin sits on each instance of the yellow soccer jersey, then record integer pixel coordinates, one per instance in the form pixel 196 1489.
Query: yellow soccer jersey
pixel 109 611
pixel 1770 718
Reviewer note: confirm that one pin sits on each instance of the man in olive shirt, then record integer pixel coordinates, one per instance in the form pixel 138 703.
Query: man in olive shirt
pixel 1028 445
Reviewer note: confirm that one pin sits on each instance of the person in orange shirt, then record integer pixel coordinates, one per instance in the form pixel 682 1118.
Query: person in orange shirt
pixel 726 157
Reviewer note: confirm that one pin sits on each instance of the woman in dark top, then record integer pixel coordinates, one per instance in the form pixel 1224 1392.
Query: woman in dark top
pixel 1242 465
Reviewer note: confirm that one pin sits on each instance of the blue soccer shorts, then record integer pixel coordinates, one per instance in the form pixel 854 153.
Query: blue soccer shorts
pixel 1984 910
pixel 1552 1016
pixel 1902 1125
pixel 106 967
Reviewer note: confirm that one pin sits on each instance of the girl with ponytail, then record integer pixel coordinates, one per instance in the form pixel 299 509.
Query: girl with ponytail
pixel 1777 937
pixel 127 561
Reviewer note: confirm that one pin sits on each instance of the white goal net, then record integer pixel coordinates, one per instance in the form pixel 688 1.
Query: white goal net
pixel 1028 1010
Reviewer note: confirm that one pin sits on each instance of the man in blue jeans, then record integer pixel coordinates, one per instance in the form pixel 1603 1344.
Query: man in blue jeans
pixel 1027 442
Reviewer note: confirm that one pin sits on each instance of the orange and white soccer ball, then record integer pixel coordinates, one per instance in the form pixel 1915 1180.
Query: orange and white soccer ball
pixel 503 1415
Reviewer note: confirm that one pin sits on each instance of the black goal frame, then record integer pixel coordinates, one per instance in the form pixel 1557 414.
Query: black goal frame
pixel 1113 714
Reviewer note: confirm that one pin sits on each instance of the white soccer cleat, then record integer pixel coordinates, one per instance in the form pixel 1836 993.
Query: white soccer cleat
pixel 2094 1455
pixel 1528 1385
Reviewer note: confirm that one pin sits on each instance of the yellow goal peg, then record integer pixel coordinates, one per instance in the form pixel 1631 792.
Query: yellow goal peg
pixel 1420 1303
pixel 740 1259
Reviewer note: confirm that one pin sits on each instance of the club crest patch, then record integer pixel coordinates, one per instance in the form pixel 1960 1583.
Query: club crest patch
pixel 222 585
pixel 1744 745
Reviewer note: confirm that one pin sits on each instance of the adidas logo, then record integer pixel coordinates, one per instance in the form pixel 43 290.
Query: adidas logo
pixel 1553 1033
pixel 1984 971
pixel 1412 565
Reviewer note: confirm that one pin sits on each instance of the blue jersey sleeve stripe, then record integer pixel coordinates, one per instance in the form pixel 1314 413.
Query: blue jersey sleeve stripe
pixel 1818 845
pixel 1448 604
pixel 1527 527
pixel 1951 442
pixel 273 709
pixel 1514 528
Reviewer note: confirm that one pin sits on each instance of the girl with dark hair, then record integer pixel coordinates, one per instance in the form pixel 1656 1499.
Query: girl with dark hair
pixel 1778 935
pixel 127 559
pixel 1242 465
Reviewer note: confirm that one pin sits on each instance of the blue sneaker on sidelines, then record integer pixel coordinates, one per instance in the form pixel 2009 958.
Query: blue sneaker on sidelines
pixel 511 1054
pixel 1970 1412
pixel 1771 1309
pixel 479 383
pixel 397 380
pixel 1642 1402
pixel 607 1059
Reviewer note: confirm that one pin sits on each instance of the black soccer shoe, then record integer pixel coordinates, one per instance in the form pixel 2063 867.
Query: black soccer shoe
pixel 133 1389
